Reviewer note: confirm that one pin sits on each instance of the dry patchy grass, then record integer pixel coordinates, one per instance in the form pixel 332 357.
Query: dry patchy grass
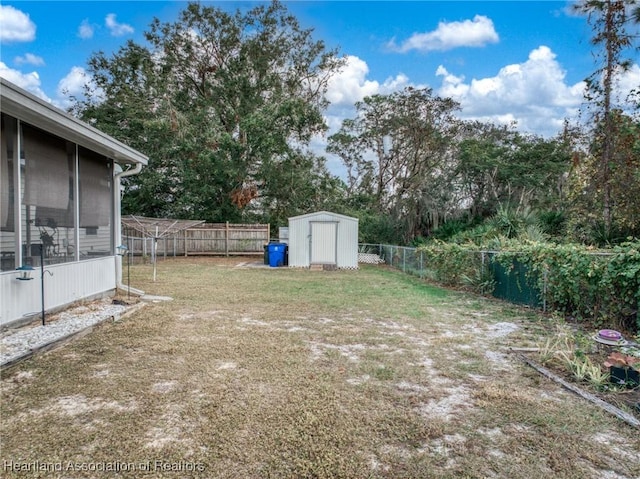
pixel 288 373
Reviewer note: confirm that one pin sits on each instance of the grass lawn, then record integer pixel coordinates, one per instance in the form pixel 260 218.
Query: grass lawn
pixel 277 373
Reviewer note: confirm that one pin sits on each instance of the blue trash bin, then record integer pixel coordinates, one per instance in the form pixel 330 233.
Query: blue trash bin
pixel 276 254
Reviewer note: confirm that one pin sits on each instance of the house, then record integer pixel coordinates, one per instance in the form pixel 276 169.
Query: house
pixel 59 206
pixel 324 240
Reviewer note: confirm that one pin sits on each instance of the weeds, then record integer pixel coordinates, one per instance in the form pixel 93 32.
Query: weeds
pixel 283 373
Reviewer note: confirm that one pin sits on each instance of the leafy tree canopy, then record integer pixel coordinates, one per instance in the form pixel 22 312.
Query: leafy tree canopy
pixel 220 102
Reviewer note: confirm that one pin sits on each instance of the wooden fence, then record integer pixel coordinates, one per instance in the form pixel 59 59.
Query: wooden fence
pixel 205 239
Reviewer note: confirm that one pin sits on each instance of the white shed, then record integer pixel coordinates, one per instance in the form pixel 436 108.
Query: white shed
pixel 324 239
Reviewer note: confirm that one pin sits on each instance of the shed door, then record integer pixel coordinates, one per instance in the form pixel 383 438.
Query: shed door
pixel 323 242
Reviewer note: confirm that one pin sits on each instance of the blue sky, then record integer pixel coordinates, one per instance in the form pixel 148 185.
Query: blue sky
pixel 504 61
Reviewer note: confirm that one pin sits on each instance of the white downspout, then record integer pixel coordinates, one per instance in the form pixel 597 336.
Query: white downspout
pixel 119 174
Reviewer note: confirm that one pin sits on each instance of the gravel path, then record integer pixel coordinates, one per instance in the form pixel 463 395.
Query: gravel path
pixel 16 343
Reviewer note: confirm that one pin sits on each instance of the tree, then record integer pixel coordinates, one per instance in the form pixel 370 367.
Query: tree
pixel 219 102
pixel 608 19
pixel 482 149
pixel 500 171
pixel 586 194
pixel 397 152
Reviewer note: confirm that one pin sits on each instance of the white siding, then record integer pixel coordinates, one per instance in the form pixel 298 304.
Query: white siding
pixel 73 280
pixel 70 282
pixel 346 239
pixel 299 239
pixel 348 244
pixel 323 242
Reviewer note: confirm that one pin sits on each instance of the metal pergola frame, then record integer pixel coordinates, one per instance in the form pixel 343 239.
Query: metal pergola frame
pixel 157 228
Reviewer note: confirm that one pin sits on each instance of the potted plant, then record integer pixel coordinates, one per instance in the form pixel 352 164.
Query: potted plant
pixel 622 368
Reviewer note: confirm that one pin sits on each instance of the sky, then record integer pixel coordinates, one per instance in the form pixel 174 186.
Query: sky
pixel 507 62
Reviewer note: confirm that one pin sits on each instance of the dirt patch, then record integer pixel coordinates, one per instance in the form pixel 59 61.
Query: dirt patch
pixel 453 403
pixel 259 373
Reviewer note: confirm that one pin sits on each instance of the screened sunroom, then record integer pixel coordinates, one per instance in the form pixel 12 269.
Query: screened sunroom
pixel 59 205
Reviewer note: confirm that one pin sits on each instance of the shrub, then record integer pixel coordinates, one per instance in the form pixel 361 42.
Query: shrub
pixel 583 283
pixel 578 281
pixel 553 222
pixel 451 263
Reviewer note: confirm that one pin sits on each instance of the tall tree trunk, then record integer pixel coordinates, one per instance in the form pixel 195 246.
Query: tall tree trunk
pixel 607 147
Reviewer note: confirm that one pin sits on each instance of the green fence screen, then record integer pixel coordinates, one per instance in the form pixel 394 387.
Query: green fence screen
pixel 514 284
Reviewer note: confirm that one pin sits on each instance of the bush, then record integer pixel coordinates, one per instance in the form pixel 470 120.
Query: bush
pixel 553 222
pixel 583 283
pixel 451 263
pixel 453 228
pixel 580 282
pixel 377 228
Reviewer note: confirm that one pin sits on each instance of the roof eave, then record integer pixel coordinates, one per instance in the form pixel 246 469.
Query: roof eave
pixel 27 107
pixel 323 212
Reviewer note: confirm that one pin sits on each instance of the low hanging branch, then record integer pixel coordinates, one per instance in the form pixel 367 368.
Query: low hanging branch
pixel 626 417
pixel 243 195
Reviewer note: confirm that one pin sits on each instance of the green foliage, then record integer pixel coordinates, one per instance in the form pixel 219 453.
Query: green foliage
pixel 396 151
pixel 377 228
pixel 584 370
pixel 609 183
pixel 373 226
pixel 497 166
pixel 452 228
pixel 224 104
pixel 580 282
pixel 482 281
pixel 558 345
pixel 583 283
pixel 553 222
pixel 451 263
pixel 509 221
pixel 588 195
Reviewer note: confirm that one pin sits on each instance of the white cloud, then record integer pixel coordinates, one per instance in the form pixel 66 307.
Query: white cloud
pixel 628 81
pixel 117 29
pixel 351 84
pixel 468 33
pixel 16 26
pixel 27 81
pixel 344 90
pixel 29 59
pixel 452 86
pixel 73 85
pixel 532 93
pixel 85 30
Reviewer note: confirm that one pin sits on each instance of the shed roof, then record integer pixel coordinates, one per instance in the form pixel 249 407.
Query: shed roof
pixel 317 213
pixel 27 107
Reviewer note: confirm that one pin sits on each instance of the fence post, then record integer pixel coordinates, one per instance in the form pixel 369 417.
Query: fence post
pixel 185 243
pixel 404 260
pixel 544 291
pixel 226 239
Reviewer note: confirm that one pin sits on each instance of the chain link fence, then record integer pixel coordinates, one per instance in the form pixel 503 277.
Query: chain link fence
pixel 585 285
pixel 482 273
